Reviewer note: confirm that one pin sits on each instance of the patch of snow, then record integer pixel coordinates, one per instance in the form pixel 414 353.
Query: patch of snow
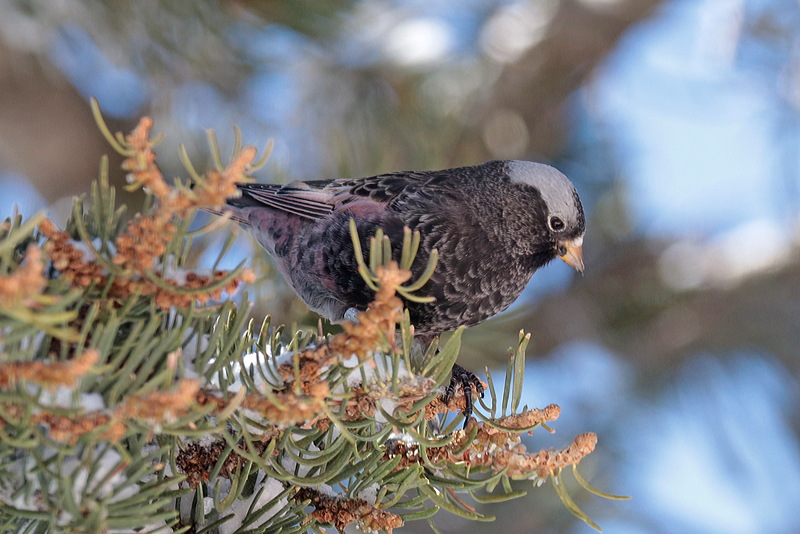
pixel 388 406
pixel 240 508
pixel 382 369
pixel 64 397
pixel 110 462
pixel 369 494
pixel 61 397
pixel 224 487
pixel 327 490
pixel 190 352
pixel 351 362
pixel 92 402
pixel 208 505
pixel 186 508
pixel 159 527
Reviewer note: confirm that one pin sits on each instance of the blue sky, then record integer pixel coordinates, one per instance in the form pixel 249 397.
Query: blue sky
pixel 697 132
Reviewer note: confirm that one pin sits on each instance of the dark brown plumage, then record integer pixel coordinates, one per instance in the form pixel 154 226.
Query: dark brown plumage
pixel 493 224
pixel 491 231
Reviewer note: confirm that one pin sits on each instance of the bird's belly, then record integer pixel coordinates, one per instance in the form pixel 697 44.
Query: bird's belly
pixel 467 305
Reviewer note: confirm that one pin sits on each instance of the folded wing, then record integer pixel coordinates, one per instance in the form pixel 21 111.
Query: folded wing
pixel 316 200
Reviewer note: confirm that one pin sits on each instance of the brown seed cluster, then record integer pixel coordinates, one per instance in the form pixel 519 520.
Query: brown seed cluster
pixel 499 449
pixel 409 453
pixel 27 281
pixel 165 298
pixel 197 461
pixel 378 323
pixel 341 511
pixel 547 461
pixel 146 237
pixel 160 406
pixel 357 407
pixel 532 417
pixel 144 240
pixel 142 161
pixel 288 408
pixel 70 429
pixel 210 192
pixel 68 259
pixel 155 408
pixel 51 374
pixel 281 409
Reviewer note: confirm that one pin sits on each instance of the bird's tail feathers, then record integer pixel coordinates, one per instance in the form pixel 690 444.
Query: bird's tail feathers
pixel 302 202
pixel 231 213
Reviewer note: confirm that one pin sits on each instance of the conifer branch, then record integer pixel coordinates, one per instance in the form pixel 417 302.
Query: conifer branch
pixel 134 395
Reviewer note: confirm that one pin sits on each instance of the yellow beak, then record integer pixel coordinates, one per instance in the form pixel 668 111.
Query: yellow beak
pixel 572 253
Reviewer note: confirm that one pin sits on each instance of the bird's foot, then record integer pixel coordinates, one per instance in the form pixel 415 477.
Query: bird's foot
pixel 467 379
pixel 351 315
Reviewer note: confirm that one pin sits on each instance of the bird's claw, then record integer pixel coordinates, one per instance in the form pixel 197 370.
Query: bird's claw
pixel 459 375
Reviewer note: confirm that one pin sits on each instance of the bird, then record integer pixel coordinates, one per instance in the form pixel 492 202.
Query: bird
pixel 493 225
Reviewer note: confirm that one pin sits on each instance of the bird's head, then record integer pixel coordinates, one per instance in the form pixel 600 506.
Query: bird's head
pixel 564 221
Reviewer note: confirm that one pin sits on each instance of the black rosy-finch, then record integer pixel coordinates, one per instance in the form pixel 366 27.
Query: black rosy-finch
pixel 493 224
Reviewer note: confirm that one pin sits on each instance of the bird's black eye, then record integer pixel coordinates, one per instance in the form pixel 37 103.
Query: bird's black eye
pixel 556 223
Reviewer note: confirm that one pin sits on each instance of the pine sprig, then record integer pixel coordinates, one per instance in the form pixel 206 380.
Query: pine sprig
pixel 134 396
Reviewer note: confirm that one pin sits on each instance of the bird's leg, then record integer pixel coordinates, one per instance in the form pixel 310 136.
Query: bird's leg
pixel 458 375
pixel 351 315
pixel 467 379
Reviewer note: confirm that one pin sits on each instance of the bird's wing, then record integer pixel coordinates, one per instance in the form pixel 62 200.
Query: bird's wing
pixel 290 198
pixel 317 199
pixel 392 187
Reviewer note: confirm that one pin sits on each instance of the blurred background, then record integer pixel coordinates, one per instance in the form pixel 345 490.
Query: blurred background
pixel 678 121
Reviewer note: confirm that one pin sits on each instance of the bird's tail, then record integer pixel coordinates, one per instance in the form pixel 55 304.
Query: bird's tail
pixel 234 207
pixel 292 199
pixel 231 212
